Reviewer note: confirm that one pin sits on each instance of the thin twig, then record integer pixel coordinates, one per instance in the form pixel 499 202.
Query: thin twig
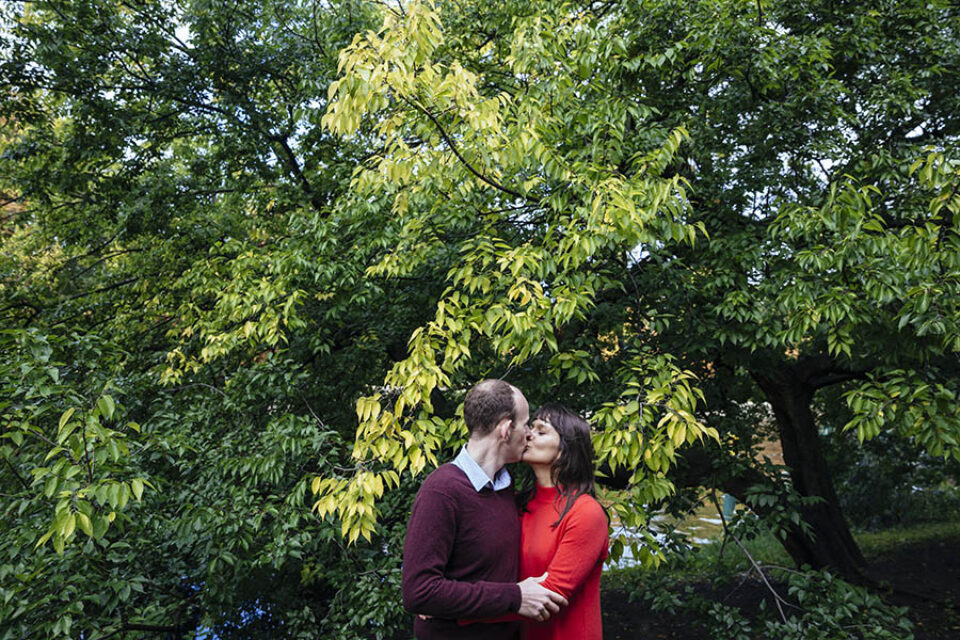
pixel 777 598
pixel 198 384
pixel 312 412
pixel 25 484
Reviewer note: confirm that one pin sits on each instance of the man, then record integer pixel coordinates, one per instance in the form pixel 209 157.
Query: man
pixel 461 553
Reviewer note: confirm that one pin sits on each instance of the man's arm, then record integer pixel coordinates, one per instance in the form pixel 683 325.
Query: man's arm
pixel 536 603
pixel 426 550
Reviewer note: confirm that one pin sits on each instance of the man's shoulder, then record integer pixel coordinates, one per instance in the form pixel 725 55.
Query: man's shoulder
pixel 446 478
pixel 449 479
pixel 444 472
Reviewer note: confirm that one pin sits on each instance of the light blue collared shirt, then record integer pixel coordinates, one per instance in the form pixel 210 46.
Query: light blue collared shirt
pixel 477 476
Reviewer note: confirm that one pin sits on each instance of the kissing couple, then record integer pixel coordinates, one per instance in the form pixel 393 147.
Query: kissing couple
pixel 483 561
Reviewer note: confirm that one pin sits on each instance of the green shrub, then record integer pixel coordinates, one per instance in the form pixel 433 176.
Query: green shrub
pixel 813 605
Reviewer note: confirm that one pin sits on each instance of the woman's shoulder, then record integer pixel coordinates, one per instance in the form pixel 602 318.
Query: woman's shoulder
pixel 589 510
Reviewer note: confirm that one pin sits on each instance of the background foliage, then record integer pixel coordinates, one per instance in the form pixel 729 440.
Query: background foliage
pixel 253 254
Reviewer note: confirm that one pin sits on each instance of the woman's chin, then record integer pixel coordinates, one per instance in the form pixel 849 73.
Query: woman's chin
pixel 530 459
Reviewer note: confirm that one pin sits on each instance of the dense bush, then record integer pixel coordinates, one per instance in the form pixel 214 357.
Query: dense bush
pixel 727 597
pixel 891 481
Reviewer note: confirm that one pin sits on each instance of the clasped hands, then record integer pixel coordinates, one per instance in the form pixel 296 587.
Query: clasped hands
pixel 536 601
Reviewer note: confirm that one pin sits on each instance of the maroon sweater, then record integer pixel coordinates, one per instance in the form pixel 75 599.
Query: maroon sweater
pixel 461 557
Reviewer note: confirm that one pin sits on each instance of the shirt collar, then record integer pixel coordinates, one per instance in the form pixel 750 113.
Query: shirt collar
pixel 477 476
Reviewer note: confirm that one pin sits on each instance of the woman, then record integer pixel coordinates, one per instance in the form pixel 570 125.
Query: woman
pixel 563 527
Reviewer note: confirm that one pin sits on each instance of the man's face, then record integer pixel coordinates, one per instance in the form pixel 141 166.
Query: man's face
pixel 519 428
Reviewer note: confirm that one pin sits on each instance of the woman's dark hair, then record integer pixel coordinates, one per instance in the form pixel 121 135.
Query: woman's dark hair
pixel 572 471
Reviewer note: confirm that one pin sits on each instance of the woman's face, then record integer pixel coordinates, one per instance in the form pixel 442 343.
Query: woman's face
pixel 543 444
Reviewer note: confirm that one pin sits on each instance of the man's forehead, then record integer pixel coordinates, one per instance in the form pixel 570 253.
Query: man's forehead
pixel 521 401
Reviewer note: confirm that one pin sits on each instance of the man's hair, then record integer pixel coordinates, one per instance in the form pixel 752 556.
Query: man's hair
pixel 489 402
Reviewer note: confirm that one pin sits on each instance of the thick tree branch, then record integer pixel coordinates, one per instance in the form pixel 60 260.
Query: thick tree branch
pixel 293 165
pixel 837 377
pixel 453 147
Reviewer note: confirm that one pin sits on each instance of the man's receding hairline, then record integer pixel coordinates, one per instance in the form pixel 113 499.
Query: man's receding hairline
pixel 488 385
pixel 517 397
pixel 489 389
pixel 491 382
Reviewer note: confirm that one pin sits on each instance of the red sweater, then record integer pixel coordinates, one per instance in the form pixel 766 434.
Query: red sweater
pixel 460 558
pixel 573 555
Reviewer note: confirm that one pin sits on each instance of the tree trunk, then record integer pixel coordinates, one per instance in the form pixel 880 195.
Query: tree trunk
pixel 790 389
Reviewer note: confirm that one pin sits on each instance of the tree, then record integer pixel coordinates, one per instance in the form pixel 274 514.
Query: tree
pixel 818 185
pixel 175 248
pixel 252 225
pixel 823 240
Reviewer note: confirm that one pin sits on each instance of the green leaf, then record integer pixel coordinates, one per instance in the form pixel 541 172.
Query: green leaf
pixel 106 406
pixel 100 526
pixel 65 417
pixel 84 523
pixel 43 539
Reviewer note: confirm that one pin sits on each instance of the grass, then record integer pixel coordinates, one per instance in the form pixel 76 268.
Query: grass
pixel 876 543
pixel 705 560
pixel 716 558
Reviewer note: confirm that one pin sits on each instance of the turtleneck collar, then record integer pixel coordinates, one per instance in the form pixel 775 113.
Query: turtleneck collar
pixel 546 493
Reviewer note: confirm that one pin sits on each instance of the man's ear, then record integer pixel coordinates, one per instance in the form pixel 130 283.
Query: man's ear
pixel 503 429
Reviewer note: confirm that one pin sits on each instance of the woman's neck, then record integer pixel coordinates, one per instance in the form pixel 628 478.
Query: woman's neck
pixel 543 475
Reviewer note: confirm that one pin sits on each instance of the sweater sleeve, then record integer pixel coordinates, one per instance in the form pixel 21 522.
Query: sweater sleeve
pixel 426 551
pixel 583 543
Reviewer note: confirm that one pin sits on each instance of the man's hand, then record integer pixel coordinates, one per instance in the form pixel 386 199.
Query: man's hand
pixel 536 601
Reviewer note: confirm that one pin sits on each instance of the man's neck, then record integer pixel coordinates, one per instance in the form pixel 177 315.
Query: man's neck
pixel 487 454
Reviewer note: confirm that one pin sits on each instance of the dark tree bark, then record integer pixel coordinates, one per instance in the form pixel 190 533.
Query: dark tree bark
pixel 789 389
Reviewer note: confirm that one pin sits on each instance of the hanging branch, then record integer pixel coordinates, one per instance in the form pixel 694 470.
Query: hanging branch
pixel 453 147
pixel 26 485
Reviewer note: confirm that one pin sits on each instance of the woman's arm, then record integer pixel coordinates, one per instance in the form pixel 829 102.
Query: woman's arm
pixel 584 541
